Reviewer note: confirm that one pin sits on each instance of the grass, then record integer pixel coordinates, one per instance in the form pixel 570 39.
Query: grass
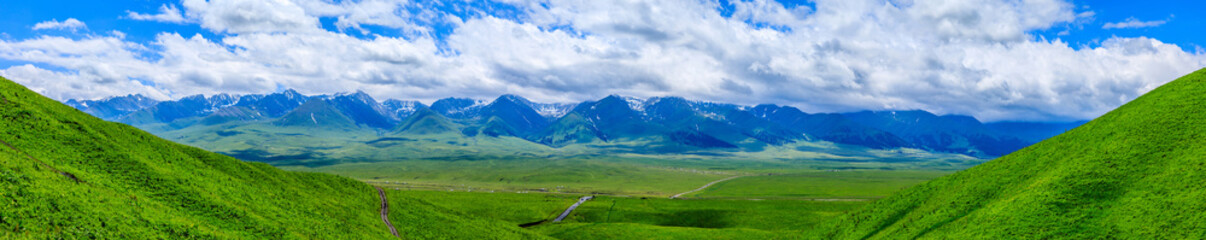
pixel 514 208
pixel 644 231
pixel 1134 173
pixel 856 184
pixel 133 185
pixel 608 217
pixel 419 218
pixel 530 175
pixel 769 215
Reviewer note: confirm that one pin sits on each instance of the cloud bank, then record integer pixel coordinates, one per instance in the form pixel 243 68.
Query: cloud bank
pixel 978 57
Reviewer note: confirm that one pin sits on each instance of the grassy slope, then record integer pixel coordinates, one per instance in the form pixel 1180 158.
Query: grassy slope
pixel 1134 173
pixel 137 186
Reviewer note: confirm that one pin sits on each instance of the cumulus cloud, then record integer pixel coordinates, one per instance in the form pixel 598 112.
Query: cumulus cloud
pixel 1133 22
pixel 967 57
pixel 66 85
pixel 251 16
pixel 69 24
pixel 167 13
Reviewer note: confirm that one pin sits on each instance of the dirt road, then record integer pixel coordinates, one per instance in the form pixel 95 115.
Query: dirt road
pixel 385 212
pixel 572 207
pixel 705 186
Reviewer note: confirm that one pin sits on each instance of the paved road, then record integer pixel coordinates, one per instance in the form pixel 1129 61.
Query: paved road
pixel 572 207
pixel 385 212
pixel 706 186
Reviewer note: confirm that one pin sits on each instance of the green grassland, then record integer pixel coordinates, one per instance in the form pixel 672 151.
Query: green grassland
pixel 530 175
pixel 588 231
pixel 67 175
pixel 770 215
pixel 1134 173
pixel 422 218
pixel 632 175
pixel 514 208
pixel 833 184
pixel 745 210
pixel 608 217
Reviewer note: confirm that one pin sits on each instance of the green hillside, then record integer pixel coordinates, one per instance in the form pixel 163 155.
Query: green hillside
pixel 316 113
pixel 65 174
pixel 1134 173
pixel 425 121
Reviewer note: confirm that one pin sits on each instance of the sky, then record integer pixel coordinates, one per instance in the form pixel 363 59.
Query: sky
pixel 996 60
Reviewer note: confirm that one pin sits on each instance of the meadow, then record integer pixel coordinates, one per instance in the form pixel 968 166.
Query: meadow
pixel 781 205
pixel 830 184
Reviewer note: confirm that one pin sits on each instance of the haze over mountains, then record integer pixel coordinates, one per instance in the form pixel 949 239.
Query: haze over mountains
pixel 670 124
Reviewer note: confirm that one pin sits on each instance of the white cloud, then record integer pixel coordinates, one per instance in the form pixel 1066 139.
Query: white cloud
pixel 972 57
pixel 69 24
pixel 167 13
pixel 769 12
pixel 251 16
pixel 60 85
pixel 1133 22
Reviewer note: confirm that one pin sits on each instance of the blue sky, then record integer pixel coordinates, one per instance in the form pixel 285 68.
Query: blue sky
pixel 993 59
pixel 1183 25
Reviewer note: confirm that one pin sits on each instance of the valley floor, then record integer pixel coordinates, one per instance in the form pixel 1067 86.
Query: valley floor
pixel 632 198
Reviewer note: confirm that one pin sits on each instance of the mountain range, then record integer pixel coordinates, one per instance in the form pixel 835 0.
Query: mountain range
pixel 666 124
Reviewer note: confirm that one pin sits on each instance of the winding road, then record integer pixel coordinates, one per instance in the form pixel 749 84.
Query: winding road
pixel 572 207
pixel 706 186
pixel 385 212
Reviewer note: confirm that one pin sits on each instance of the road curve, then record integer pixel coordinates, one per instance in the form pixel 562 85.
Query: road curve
pixel 706 186
pixel 572 207
pixel 385 212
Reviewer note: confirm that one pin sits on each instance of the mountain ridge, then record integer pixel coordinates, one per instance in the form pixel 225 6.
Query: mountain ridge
pixel 669 120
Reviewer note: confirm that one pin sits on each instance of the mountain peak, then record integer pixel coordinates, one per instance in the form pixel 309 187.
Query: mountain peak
pixel 458 107
pixel 290 93
pixel 513 98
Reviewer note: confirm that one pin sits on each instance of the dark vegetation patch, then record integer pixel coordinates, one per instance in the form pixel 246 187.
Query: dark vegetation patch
pixel 226 133
pixel 389 139
pixel 309 159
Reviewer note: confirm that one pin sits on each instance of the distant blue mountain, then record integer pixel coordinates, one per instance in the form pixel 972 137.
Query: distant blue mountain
pixel 425 121
pixel 948 133
pixel 512 115
pixel 613 118
pixel 273 105
pixel 114 107
pixel 1033 131
pixel 191 106
pixel 458 108
pixel 660 124
pixel 233 114
pixel 710 122
pixel 829 127
pixel 316 113
pixel 401 109
pixel 363 110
